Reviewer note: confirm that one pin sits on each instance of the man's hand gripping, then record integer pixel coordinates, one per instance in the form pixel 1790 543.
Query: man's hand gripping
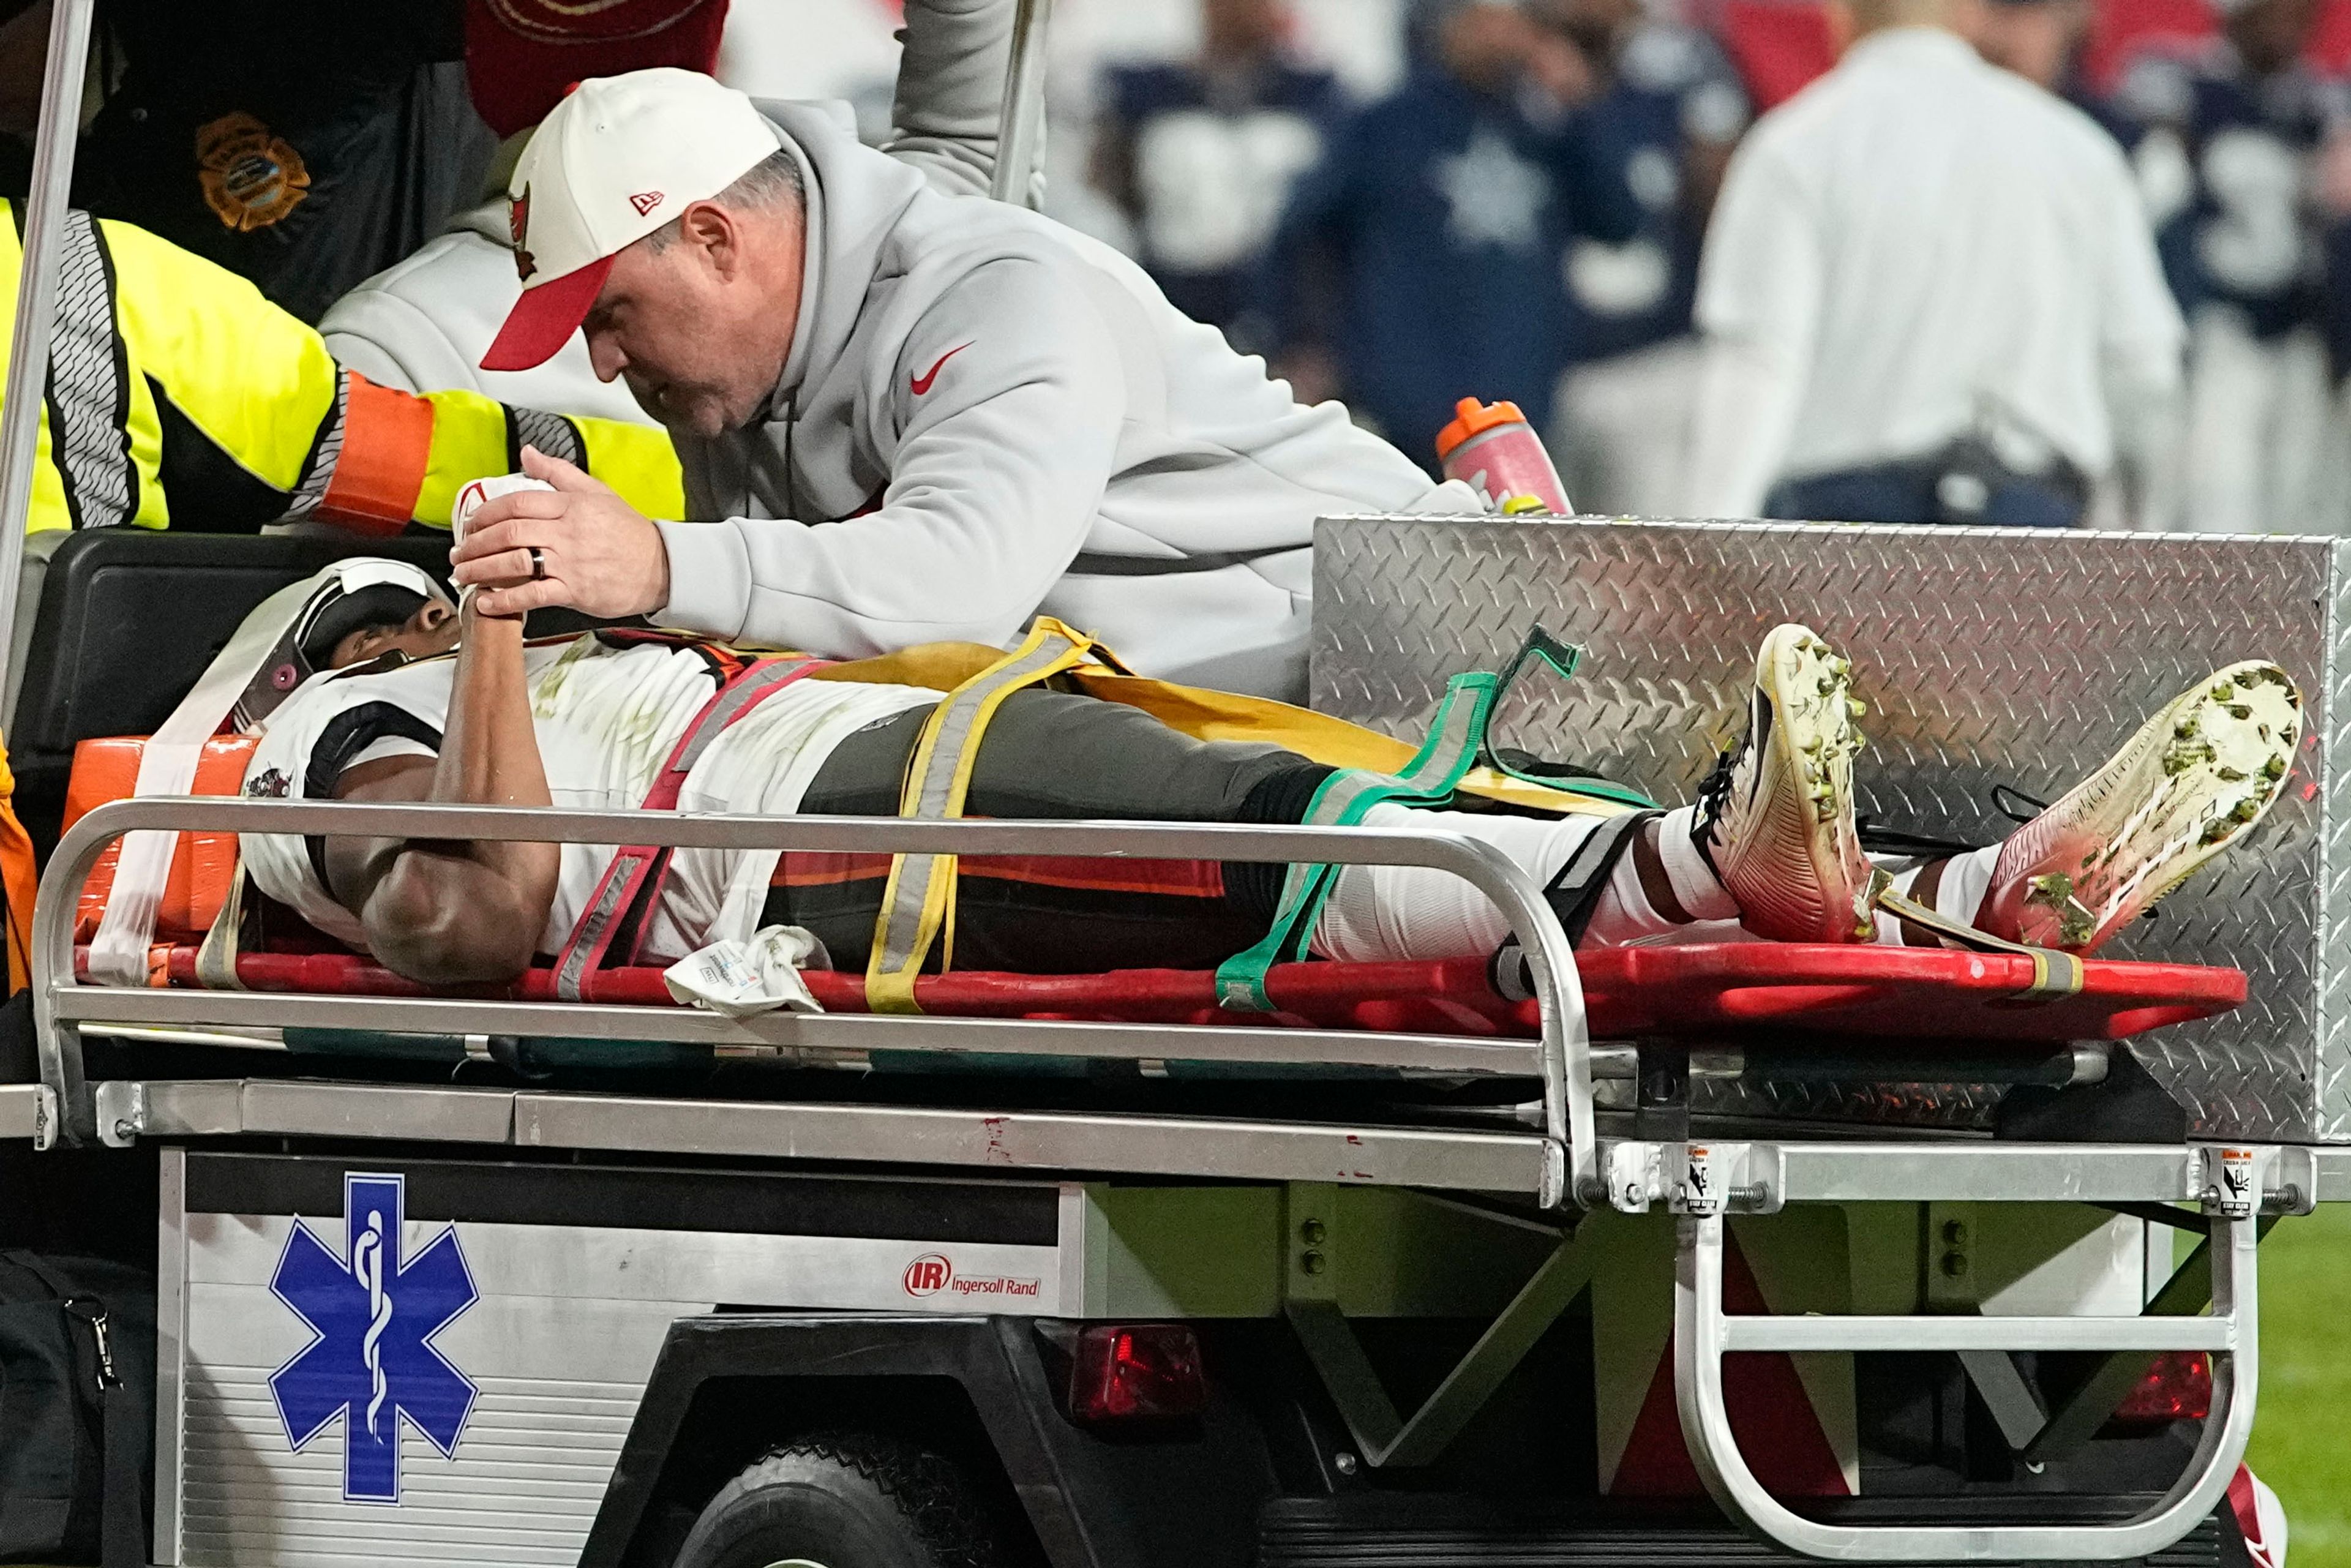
pixel 596 553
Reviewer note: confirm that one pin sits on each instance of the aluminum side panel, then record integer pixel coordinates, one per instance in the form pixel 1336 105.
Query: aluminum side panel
pixel 1986 656
pixel 560 1342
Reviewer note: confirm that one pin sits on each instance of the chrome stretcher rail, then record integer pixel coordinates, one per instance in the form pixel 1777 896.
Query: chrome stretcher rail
pixel 1760 1177
pixel 1204 1147
pixel 1562 1056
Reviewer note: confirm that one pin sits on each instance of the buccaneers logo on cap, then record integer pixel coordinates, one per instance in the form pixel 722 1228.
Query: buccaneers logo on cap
pixel 519 226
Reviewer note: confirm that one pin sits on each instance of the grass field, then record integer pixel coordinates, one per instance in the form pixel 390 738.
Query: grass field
pixel 2301 1434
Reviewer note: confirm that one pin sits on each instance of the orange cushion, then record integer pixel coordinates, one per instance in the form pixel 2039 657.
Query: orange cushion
pixel 108 769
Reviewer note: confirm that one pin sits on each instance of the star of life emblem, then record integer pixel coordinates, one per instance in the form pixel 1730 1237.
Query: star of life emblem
pixel 374 1315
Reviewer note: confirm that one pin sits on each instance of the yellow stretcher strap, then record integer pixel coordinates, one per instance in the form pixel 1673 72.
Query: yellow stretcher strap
pixel 919 901
pixel 1205 715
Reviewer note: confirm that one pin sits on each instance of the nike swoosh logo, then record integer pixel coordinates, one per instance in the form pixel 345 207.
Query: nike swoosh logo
pixel 922 384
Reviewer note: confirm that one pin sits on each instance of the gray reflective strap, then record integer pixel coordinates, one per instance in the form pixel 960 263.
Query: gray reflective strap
pixel 552 433
pixel 325 457
pixel 90 439
pixel 935 795
pixel 746 688
pixel 587 944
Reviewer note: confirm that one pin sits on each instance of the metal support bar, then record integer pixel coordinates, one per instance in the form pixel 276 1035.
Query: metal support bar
pixel 1020 122
pixel 810 1036
pixel 1841 1333
pixel 1703 1335
pixel 2010 1398
pixel 1387 1438
pixel 36 289
pixel 1567 1169
pixel 26 1110
pixel 1354 1154
pixel 1939 1171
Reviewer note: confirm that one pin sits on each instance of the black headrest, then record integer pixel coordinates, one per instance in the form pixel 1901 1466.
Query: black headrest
pixel 130 617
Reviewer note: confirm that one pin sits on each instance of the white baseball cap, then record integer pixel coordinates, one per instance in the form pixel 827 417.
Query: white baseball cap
pixel 618 157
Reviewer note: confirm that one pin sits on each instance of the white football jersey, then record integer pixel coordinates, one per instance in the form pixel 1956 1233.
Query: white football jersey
pixel 607 717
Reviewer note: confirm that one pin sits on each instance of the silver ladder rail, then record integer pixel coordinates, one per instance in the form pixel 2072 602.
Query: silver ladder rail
pixel 1704 1333
pixel 62 1003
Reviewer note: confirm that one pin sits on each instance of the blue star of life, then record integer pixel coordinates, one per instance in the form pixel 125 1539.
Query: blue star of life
pixel 374 1315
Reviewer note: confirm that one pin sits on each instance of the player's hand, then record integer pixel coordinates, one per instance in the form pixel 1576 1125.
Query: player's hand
pixel 597 554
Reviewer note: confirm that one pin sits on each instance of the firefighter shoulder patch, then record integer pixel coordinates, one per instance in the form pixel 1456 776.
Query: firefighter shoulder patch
pixel 251 178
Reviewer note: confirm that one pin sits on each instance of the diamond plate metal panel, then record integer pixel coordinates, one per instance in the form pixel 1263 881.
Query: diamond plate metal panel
pixel 1987 656
pixel 1939 1107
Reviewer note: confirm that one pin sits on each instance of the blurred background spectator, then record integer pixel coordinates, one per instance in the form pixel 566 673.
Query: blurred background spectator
pixel 1621 432
pixel 2232 119
pixel 1930 295
pixel 1421 259
pixel 2244 141
pixel 1400 201
pixel 1200 156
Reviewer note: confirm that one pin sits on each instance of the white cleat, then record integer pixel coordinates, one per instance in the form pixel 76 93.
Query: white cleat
pixel 2191 782
pixel 1775 821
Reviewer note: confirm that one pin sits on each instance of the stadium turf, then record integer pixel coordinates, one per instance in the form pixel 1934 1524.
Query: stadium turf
pixel 2299 1432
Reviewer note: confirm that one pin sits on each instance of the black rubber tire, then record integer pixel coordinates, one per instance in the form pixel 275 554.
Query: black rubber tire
pixel 844 1501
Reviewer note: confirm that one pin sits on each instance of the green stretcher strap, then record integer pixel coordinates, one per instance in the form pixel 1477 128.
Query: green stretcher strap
pixel 1343 802
pixel 1562 657
pixel 1458 741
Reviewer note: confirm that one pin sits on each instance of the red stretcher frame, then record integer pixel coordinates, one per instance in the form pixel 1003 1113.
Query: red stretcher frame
pixel 1753 990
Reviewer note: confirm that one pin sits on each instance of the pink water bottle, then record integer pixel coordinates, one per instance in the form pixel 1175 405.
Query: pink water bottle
pixel 1490 447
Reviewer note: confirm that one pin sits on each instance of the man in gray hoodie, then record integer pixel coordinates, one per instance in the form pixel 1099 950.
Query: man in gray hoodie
pixel 902 416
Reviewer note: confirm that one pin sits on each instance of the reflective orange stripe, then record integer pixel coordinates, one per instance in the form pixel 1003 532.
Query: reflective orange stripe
pixel 387 444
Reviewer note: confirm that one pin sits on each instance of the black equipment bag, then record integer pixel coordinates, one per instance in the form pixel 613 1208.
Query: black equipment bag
pixel 76 1409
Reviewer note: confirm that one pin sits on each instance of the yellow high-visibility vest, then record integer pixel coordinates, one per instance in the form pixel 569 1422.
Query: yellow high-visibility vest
pixel 173 381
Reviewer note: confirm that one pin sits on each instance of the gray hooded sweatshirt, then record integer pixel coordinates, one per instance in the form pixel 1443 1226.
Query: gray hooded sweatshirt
pixel 985 415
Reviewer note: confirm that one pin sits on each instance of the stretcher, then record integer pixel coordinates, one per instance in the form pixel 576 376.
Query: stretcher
pixel 1577 1103
pixel 1705 991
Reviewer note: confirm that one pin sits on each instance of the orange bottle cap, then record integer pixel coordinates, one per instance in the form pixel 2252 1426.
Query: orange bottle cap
pixel 1472 418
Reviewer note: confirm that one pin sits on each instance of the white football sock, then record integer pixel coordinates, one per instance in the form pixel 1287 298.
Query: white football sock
pixel 1958 896
pixel 1625 916
pixel 1695 888
pixel 1379 914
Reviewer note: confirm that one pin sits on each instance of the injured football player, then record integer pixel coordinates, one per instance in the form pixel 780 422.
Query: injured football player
pixel 415 700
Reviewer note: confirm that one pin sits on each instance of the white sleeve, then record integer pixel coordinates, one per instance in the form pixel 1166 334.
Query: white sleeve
pixel 394 344
pixel 999 473
pixel 2142 341
pixel 950 95
pixel 1761 278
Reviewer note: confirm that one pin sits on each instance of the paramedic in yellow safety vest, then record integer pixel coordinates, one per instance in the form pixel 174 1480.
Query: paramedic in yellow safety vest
pixel 173 383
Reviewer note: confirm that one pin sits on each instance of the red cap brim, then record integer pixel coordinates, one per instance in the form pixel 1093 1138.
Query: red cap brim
pixel 544 318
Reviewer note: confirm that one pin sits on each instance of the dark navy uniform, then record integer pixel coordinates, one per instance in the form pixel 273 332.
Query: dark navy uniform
pixel 1208 161
pixel 2244 231
pixel 1674 88
pixel 1444 213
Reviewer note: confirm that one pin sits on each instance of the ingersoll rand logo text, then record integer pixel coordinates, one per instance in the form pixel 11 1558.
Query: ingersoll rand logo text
pixel 932 1272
